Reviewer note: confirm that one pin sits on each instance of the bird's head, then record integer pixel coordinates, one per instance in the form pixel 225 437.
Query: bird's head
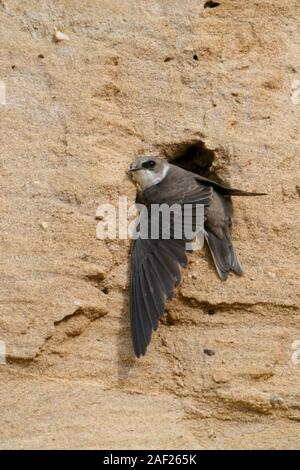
pixel 148 171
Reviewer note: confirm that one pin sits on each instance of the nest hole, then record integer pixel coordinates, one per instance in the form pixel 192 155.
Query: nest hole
pixel 211 4
pixel 199 159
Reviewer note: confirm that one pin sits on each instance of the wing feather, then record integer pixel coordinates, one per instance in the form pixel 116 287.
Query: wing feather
pixel 155 264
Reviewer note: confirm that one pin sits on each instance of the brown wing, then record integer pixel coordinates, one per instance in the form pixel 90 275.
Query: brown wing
pixel 226 190
pixel 155 273
pixel 155 266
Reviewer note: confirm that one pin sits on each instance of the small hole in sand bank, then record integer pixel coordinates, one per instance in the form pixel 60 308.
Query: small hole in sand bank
pixel 211 4
pixel 196 158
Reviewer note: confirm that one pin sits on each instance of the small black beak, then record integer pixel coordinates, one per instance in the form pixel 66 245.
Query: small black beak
pixel 132 168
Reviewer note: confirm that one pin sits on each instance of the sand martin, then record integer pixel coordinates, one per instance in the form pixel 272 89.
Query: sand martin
pixel 155 263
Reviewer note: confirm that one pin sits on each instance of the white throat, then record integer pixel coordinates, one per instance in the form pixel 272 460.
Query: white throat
pixel 148 178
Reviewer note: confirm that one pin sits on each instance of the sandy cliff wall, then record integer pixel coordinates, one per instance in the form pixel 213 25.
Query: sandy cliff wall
pixel 146 76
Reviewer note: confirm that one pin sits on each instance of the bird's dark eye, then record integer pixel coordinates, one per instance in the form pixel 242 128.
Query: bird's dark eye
pixel 149 164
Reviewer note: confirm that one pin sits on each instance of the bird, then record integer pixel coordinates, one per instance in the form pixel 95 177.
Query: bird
pixel 156 262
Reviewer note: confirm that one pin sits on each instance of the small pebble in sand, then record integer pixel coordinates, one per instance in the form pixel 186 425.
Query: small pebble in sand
pixel 276 400
pixel 58 36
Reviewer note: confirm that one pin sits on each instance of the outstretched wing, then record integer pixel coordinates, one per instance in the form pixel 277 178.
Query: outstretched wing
pixel 155 270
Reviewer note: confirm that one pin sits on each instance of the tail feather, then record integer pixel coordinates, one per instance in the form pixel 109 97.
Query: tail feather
pixel 236 266
pixel 223 254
